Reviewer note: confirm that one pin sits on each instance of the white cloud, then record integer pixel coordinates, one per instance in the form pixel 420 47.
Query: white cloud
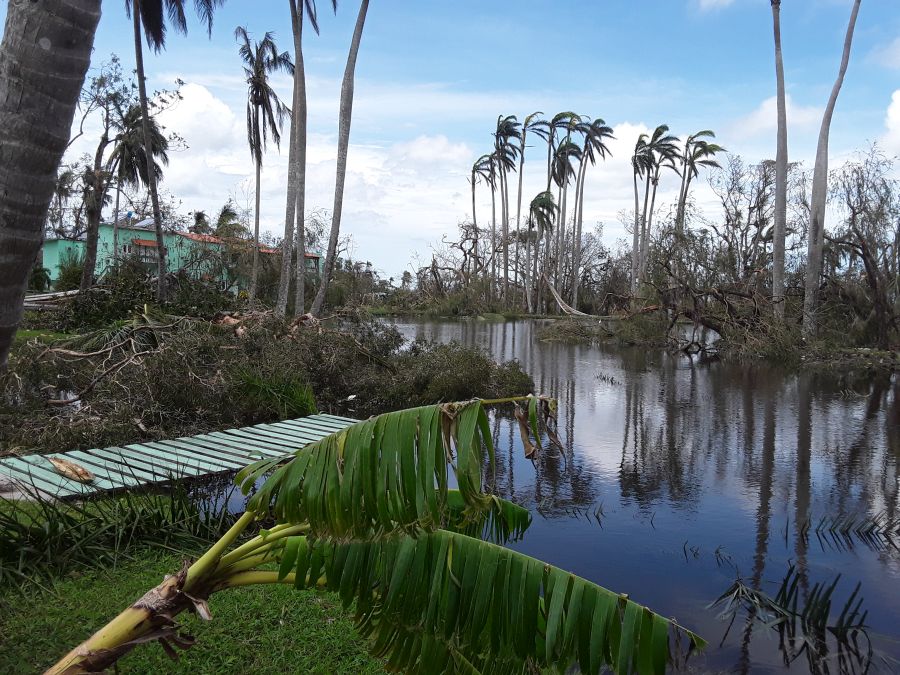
pixel 892 122
pixel 764 119
pixel 708 5
pixel 888 55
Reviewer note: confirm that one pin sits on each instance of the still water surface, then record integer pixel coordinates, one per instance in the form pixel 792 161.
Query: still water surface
pixel 698 473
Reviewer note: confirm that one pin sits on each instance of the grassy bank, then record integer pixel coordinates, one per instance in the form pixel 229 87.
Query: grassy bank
pixel 254 630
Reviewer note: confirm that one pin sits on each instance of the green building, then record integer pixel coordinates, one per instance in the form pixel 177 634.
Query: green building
pixel 200 255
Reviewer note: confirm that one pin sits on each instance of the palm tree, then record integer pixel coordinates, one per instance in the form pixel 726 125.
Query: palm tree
pixel 131 160
pixel 819 197
pixel 567 153
pixel 662 149
pixel 505 137
pixel 265 114
pixel 781 170
pixel 346 113
pixel 541 214
pixel 539 127
pixel 697 153
pixel 152 14
pixel 480 169
pixel 640 165
pixel 595 135
pixel 296 184
pixel 62 192
pixel 423 564
pixel 228 222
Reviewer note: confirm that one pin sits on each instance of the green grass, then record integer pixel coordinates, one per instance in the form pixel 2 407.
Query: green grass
pixel 264 629
pixel 45 335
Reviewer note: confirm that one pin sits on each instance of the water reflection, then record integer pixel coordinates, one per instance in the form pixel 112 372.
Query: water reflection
pixel 703 471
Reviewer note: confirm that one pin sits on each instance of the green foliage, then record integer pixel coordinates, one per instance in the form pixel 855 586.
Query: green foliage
pixel 41 538
pixel 70 266
pixel 281 394
pixel 255 630
pixel 39 280
pixel 124 289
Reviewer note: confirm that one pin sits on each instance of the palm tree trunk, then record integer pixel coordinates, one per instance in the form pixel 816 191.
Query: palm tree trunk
pixel 579 219
pixel 646 251
pixel 151 169
pixel 493 239
pixel 254 272
pixel 116 220
pixel 39 90
pixel 346 112
pixel 504 211
pixel 781 170
pixel 299 113
pixel 636 238
pixel 527 272
pixel 475 267
pixel 644 233
pixel 287 243
pixel 519 217
pixel 94 206
pixel 816 242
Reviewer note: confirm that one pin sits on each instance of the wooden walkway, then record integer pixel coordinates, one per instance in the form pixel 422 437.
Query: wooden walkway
pixel 151 462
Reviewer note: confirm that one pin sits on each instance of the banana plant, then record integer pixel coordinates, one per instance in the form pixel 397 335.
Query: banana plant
pixel 369 513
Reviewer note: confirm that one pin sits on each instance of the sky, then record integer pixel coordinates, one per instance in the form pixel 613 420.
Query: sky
pixel 432 77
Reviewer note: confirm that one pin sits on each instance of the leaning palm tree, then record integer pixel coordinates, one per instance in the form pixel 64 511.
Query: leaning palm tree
pixel 540 128
pixel 131 161
pixel 345 116
pixel 816 243
pixel 368 512
pixel 596 134
pixel 152 15
pixel 779 231
pixel 265 114
pixel 36 83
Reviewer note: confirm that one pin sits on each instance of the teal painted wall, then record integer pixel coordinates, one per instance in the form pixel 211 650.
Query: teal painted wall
pixel 183 250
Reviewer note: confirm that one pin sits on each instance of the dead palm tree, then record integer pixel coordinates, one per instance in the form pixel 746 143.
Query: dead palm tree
pixel 345 116
pixel 152 15
pixel 781 170
pixel 265 114
pixel 596 134
pixel 819 198
pixel 541 214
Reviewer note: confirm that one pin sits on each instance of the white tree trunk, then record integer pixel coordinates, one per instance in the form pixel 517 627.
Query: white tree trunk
pixel 346 114
pixel 819 197
pixel 299 113
pixel 781 170
pixel 254 271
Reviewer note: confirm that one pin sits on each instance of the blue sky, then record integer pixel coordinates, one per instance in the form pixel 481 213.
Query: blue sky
pixel 433 76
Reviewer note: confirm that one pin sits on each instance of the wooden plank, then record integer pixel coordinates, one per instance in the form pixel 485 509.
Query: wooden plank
pixel 168 454
pixel 41 462
pixel 339 418
pixel 323 423
pixel 272 450
pixel 238 452
pixel 296 435
pixel 288 445
pixel 115 472
pixel 289 425
pixel 321 427
pixel 58 485
pixel 182 447
pixel 29 481
pixel 188 466
pixel 138 461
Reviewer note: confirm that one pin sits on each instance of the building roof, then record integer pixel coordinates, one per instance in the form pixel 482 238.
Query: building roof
pixel 144 242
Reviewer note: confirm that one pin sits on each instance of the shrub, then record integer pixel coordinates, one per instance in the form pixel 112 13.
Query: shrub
pixel 70 266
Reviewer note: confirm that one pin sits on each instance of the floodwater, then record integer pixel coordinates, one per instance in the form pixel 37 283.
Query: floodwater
pixel 683 475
